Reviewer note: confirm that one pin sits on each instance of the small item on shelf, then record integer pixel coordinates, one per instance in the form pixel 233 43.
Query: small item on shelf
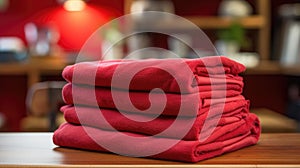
pixel 141 6
pixel 110 46
pixel 181 45
pixel 231 39
pixel 137 42
pixel 290 49
pixel 235 8
pixel 12 49
pixel 42 40
pixel 144 20
pixel 150 5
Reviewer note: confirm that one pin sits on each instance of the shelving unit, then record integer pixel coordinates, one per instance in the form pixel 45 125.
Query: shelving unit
pixel 214 22
pixel 259 21
pixel 33 69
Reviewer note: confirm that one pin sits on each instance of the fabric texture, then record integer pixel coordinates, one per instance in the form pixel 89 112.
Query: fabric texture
pixel 84 137
pixel 226 120
pixel 183 80
pixel 191 104
pixel 196 105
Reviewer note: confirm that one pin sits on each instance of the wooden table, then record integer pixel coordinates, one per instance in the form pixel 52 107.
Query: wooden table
pixel 37 150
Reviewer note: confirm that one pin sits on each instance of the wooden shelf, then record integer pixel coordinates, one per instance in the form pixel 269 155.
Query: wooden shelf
pixel 215 22
pixel 13 68
pixel 259 21
pixel 272 67
pixel 208 22
pixel 291 70
pixel 33 68
pixel 31 65
pixel 265 67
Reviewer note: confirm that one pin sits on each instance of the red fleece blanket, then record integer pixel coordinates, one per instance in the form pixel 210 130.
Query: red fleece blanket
pixel 171 75
pixel 226 121
pixel 69 135
pixel 191 104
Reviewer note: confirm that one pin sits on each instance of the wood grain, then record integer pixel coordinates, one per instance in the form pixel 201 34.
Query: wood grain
pixel 37 150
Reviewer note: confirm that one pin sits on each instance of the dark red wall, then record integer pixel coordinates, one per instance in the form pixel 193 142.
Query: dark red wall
pixel 12 100
pixel 74 27
pixel 267 91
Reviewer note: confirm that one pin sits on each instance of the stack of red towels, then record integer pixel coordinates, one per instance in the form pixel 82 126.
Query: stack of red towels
pixel 201 111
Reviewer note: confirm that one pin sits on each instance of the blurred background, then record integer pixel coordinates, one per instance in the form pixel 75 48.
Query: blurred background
pixel 39 38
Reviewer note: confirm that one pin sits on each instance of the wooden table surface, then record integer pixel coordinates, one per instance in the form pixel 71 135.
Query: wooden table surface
pixel 37 150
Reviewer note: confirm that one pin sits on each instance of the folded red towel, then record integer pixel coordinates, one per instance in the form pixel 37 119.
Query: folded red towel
pixel 171 75
pixel 69 135
pixel 228 121
pixel 191 104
